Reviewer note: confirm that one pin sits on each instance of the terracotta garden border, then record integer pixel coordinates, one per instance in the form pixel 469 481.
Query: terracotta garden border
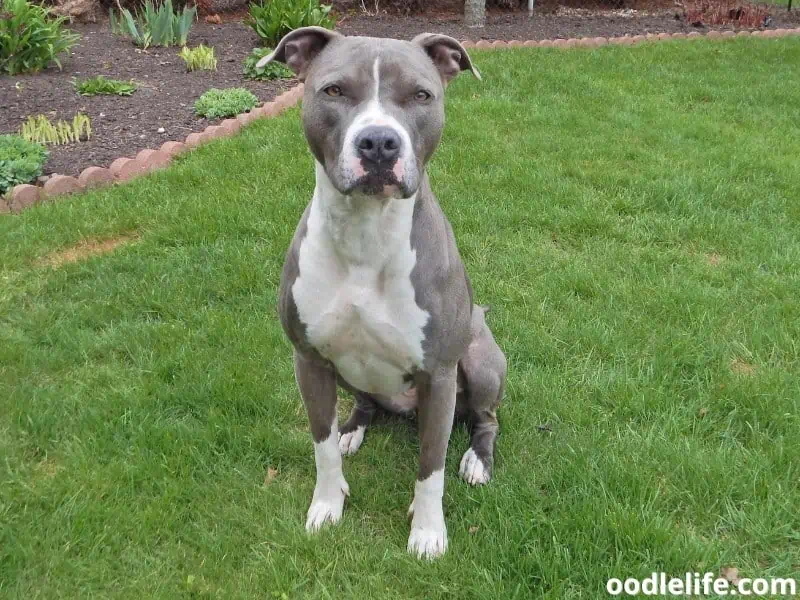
pixel 124 169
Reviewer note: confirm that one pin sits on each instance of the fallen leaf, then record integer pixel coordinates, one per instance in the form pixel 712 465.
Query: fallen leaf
pixel 271 474
pixel 731 574
pixel 741 367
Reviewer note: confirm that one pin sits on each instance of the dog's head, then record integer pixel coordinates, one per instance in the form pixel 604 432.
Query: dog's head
pixel 373 109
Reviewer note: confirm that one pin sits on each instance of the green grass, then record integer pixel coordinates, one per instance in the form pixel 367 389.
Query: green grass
pixel 631 214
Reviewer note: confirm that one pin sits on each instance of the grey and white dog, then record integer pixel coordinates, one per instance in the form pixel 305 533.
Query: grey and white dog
pixel 373 294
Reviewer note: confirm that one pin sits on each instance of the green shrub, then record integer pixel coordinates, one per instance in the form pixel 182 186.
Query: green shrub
pixel 40 130
pixel 29 38
pixel 20 161
pixel 160 26
pixel 215 104
pixel 200 58
pixel 273 70
pixel 101 85
pixel 272 19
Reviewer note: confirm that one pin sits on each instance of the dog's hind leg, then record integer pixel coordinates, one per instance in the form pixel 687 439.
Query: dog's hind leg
pixel 352 433
pixel 484 371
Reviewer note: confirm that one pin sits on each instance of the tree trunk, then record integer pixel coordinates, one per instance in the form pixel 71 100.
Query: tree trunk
pixel 475 13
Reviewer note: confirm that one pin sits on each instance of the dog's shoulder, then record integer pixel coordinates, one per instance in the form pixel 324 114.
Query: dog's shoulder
pixel 289 317
pixel 441 284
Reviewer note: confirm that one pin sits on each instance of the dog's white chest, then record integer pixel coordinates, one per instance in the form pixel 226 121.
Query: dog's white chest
pixel 354 292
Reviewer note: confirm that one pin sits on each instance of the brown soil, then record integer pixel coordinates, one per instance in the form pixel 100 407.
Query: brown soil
pixel 122 126
pixel 546 23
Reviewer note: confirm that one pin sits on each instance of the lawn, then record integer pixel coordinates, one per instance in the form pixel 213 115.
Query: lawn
pixel 631 215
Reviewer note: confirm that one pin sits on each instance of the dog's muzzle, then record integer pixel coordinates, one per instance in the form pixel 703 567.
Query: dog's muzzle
pixel 380 170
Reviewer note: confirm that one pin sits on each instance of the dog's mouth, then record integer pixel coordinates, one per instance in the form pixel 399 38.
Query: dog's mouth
pixel 382 183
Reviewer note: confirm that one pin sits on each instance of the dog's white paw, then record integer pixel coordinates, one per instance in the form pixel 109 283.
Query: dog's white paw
pixel 472 469
pixel 349 443
pixel 427 543
pixel 327 504
pixel 428 537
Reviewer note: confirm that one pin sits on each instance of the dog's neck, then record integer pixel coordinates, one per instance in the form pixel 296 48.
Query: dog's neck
pixel 364 230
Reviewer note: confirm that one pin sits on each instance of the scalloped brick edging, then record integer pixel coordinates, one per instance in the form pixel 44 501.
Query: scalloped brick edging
pixel 124 169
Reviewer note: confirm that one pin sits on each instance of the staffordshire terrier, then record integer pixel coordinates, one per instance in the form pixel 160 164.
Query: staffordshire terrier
pixel 373 295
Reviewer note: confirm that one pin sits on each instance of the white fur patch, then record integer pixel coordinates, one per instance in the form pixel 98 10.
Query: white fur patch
pixel 472 470
pixel 349 443
pixel 354 290
pixel 327 503
pixel 428 538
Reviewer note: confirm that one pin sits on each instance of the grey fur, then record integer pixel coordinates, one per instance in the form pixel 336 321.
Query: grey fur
pixel 484 368
pixel 459 350
pixel 316 379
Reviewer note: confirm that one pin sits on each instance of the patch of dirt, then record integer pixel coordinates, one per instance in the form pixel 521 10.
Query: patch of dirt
pixel 714 259
pixel 122 126
pixel 84 249
pixel 741 367
pixel 546 23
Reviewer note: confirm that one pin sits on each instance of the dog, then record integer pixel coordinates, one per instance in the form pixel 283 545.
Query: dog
pixel 373 294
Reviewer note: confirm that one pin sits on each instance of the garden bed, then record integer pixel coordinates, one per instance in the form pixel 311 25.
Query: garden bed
pixel 162 108
pixel 122 126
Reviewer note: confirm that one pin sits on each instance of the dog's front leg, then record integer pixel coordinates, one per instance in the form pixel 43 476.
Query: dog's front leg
pixel 437 401
pixel 317 382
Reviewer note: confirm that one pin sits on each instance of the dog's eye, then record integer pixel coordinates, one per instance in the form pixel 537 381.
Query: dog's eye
pixel 333 90
pixel 422 96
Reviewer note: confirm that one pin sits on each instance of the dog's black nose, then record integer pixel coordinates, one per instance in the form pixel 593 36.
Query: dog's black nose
pixel 378 144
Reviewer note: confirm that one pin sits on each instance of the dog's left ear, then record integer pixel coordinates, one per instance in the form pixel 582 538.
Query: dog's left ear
pixel 447 54
pixel 298 48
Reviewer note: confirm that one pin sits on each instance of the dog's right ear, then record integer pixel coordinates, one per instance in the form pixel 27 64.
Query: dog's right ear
pixel 298 48
pixel 447 54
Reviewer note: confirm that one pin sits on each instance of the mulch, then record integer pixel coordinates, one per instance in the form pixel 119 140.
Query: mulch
pixel 122 126
pixel 546 24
